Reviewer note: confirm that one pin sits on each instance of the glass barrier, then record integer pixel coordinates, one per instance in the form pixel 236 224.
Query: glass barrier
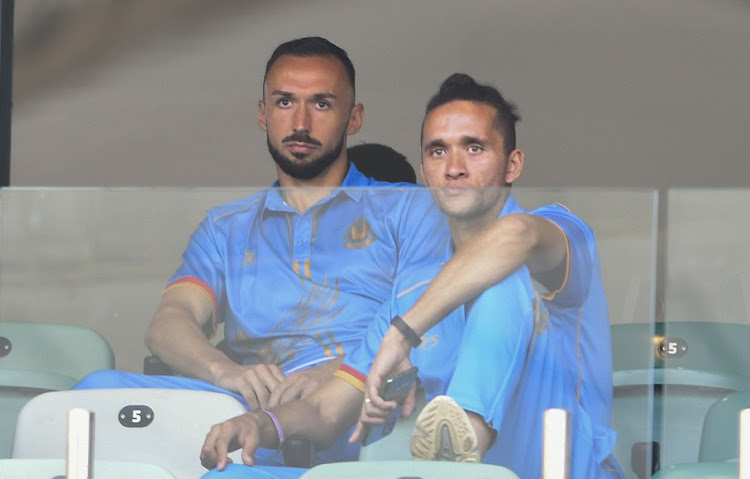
pixel 703 342
pixel 101 258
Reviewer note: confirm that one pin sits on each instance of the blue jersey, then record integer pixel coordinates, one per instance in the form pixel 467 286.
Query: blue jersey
pixel 296 289
pixel 581 305
pixel 507 358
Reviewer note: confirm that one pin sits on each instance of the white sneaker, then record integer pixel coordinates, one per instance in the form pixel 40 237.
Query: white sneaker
pixel 444 433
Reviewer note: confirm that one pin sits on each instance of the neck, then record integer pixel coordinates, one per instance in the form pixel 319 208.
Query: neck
pixel 464 229
pixel 303 193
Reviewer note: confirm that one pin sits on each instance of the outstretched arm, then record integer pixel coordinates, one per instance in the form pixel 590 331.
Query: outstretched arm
pixel 511 241
pixel 320 417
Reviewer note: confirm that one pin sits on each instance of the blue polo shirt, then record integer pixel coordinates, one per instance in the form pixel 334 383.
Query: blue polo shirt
pixel 515 353
pixel 297 289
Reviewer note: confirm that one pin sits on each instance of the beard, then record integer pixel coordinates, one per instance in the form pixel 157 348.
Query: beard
pixel 305 170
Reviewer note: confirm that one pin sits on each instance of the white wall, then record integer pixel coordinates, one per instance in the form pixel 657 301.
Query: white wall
pixel 618 93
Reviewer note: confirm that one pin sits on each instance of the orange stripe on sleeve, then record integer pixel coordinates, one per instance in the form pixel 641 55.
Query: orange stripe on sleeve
pixel 352 376
pixel 550 296
pixel 197 284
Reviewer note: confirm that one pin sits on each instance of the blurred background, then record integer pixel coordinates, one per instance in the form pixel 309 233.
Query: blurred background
pixel 158 98
pixel 132 117
pixel 164 92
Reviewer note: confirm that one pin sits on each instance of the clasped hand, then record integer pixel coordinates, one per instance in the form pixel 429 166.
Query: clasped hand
pixel 264 385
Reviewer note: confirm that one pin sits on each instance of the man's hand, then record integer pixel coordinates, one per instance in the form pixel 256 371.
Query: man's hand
pixel 239 432
pixel 255 382
pixel 392 358
pixel 301 384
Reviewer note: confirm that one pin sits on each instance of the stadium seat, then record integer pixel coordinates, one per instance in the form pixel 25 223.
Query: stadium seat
pixel 56 469
pixel 719 440
pixel 39 357
pixel 153 426
pixel 701 470
pixel 395 446
pixel 408 469
pixel 668 375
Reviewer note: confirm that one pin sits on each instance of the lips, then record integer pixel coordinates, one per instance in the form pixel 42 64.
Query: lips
pixel 300 147
pixel 455 189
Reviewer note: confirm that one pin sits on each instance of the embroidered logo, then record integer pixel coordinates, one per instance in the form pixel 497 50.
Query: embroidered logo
pixel 359 235
pixel 249 258
pixel 428 342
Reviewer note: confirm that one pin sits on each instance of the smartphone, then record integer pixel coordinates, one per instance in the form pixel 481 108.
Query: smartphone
pixel 396 389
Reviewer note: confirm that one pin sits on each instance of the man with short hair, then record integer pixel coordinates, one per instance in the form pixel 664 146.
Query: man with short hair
pixel 295 273
pixel 491 367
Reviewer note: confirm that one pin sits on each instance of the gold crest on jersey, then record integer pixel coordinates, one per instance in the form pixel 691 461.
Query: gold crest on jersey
pixel 359 235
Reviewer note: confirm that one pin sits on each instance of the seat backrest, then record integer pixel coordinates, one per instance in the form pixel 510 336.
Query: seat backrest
pixel 56 469
pixel 719 438
pixel 395 446
pixel 709 347
pixel 49 356
pixel 670 374
pixel 404 469
pixel 702 470
pixel 38 357
pixel 166 427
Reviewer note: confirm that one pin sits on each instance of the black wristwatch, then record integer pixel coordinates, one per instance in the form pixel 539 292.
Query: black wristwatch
pixel 411 336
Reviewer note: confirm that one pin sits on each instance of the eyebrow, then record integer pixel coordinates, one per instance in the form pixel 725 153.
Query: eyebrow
pixel 465 140
pixel 323 96
pixel 315 97
pixel 468 140
pixel 437 143
pixel 281 93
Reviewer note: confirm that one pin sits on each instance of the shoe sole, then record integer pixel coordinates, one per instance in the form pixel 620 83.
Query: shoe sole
pixel 444 432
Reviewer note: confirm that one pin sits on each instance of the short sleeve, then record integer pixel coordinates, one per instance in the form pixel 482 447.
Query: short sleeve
pixel 580 264
pixel 202 263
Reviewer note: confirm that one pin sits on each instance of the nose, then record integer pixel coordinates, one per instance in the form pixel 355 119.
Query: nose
pixel 455 167
pixel 301 119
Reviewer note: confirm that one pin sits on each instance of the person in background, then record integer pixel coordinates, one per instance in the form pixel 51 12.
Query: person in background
pixel 382 163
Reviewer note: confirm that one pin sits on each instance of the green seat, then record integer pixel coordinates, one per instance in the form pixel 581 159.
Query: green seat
pixel 39 357
pixel 396 445
pixel 166 427
pixel 701 470
pixel 56 469
pixel 719 440
pixel 408 469
pixel 675 390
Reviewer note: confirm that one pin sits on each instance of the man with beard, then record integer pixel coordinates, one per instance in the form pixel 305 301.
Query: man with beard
pixel 490 368
pixel 298 272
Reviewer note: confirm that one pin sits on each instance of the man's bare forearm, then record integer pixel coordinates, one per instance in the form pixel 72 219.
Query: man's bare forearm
pixel 182 346
pixel 177 338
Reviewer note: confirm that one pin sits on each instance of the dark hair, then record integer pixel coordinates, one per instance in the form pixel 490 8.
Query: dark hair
pixel 381 162
pixel 461 86
pixel 312 47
